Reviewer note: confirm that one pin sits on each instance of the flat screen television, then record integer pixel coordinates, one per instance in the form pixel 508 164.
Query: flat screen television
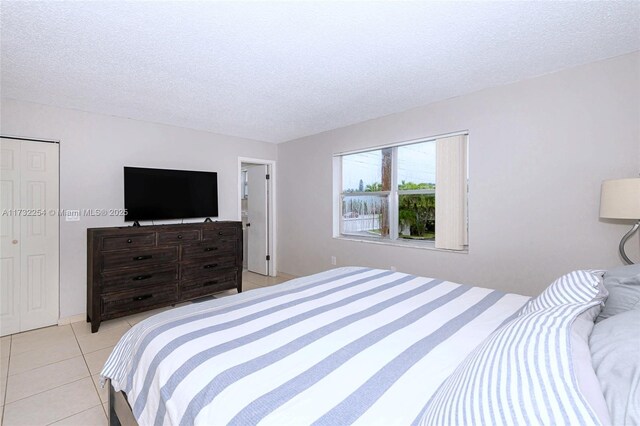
pixel 156 194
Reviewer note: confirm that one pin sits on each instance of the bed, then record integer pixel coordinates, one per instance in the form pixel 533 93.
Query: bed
pixel 347 346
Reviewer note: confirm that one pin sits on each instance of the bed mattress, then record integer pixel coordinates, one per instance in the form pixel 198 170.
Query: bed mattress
pixel 347 346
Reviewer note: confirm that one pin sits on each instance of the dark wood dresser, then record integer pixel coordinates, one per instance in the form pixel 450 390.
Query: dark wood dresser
pixel 135 269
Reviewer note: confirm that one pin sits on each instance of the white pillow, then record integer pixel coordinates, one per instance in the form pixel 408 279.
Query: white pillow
pixel 524 373
pixel 581 286
pixel 623 285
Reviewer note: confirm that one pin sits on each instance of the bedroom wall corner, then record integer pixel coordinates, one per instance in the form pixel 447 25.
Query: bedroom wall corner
pixel 93 150
pixel 538 151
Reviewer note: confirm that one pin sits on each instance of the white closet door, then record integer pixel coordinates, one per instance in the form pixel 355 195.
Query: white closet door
pixel 257 209
pixel 9 237
pixel 32 283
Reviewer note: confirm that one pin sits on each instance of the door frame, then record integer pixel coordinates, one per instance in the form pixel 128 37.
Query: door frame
pixel 59 144
pixel 271 211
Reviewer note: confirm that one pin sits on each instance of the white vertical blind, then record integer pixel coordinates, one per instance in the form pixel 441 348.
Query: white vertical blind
pixel 451 190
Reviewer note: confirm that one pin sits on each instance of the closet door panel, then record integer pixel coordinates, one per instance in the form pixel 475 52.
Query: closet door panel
pixel 9 236
pixel 39 235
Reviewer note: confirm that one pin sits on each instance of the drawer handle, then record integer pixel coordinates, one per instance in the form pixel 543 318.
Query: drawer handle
pixel 143 257
pixel 211 248
pixel 142 277
pixel 220 233
pixel 143 297
pixel 179 237
pixel 129 241
pixel 213 265
pixel 208 283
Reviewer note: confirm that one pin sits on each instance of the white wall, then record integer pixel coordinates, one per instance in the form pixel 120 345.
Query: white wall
pixel 539 150
pixel 93 150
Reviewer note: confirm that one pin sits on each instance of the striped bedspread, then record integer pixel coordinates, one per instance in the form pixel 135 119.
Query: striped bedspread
pixel 350 345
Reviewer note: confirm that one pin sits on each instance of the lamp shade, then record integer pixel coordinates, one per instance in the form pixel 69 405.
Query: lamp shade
pixel 620 199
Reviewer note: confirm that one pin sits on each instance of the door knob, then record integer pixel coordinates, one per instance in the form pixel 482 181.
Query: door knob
pixel 248 224
pixel 14 242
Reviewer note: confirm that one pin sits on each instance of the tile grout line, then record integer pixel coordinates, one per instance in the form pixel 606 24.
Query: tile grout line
pixel 47 364
pixel 6 384
pixel 43 365
pixel 59 420
pixel 89 371
pixel 47 390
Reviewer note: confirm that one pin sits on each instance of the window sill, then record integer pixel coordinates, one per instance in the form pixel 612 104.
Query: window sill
pixel 427 245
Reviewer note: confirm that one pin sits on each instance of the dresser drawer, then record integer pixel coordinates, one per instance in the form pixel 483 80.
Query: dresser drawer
pixel 126 302
pixel 128 279
pixel 212 248
pixel 130 241
pixel 222 280
pixel 207 267
pixel 138 258
pixel 178 237
pixel 222 233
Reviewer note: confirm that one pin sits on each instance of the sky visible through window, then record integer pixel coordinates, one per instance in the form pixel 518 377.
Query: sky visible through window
pixel 416 164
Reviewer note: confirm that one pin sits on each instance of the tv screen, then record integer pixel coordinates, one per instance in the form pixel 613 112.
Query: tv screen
pixel 155 194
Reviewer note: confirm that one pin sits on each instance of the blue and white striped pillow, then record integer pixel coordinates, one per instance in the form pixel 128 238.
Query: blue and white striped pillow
pixel 522 374
pixel 575 287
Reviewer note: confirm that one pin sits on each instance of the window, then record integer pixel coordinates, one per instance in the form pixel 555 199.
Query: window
pixel 245 184
pixel 414 192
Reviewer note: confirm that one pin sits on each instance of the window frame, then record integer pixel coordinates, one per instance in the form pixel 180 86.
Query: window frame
pixel 393 197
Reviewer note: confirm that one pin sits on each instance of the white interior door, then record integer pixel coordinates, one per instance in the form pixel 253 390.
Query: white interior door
pixel 29 286
pixel 9 237
pixel 257 221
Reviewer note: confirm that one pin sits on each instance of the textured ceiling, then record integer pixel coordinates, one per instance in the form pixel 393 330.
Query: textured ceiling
pixel 276 71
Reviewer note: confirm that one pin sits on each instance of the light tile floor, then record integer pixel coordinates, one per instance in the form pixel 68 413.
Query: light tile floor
pixel 50 376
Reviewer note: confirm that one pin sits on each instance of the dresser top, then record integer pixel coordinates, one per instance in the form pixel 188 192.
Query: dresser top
pixel 167 227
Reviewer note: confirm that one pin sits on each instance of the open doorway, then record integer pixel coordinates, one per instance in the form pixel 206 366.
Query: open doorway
pixel 257 213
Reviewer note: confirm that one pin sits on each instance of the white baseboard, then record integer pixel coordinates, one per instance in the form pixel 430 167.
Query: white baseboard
pixel 71 319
